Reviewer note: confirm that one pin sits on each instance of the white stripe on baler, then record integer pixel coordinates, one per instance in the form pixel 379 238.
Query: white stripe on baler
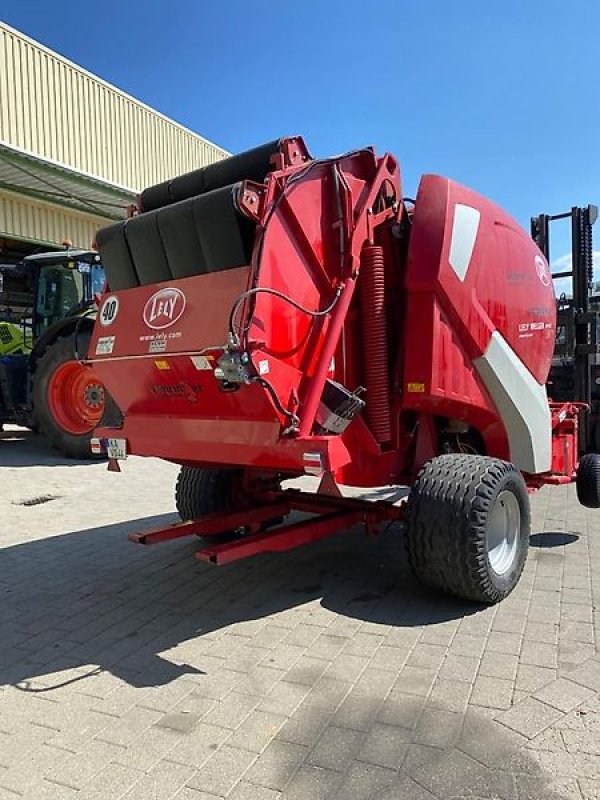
pixel 464 233
pixel 522 403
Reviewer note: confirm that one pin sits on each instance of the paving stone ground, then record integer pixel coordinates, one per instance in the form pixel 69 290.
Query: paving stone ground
pixel 327 672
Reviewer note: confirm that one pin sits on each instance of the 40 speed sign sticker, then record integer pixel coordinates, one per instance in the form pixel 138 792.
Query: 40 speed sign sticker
pixel 108 310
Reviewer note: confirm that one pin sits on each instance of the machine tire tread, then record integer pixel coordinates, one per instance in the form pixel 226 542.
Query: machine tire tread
pixel 446 525
pixel 200 491
pixel 588 481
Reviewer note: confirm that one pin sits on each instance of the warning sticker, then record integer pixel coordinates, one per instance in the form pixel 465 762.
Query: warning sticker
pixel 201 362
pixel 162 365
pixel 416 387
pixel 105 345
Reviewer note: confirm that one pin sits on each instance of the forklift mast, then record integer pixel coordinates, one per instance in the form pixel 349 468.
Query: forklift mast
pixel 576 319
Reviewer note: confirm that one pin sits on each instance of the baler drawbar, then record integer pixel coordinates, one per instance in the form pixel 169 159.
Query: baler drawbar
pixel 274 315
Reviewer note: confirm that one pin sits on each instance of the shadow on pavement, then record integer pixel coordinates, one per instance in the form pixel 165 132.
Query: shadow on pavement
pixel 77 606
pixel 552 539
pixel 92 597
pixel 20 447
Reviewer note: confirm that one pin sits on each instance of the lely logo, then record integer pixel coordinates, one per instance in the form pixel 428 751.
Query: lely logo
pixel 543 271
pixel 164 308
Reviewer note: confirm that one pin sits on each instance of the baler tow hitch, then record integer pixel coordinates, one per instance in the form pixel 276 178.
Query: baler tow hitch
pixel 333 515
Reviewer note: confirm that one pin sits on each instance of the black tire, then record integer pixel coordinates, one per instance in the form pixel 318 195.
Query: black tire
pixel 450 525
pixel 596 435
pixel 72 445
pixel 204 491
pixel 588 481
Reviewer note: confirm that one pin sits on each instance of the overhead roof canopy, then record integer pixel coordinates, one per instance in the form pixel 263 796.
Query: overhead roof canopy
pixel 52 182
pixel 62 256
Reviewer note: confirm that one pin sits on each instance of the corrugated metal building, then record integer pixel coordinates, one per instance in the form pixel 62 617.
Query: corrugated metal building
pixel 74 150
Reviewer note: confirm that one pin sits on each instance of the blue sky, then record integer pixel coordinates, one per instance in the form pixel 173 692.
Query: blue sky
pixel 502 96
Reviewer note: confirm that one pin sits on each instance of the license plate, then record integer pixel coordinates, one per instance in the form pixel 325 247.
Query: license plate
pixel 116 448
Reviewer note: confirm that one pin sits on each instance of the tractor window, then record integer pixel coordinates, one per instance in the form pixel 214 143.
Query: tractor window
pixel 60 293
pixel 98 278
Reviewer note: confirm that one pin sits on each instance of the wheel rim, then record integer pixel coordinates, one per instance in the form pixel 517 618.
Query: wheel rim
pixel 502 535
pixel 75 398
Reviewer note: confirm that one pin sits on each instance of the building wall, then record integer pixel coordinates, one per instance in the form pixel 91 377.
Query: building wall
pixel 44 223
pixel 51 107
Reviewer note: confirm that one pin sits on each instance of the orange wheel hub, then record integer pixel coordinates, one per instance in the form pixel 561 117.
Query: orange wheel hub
pixel 75 397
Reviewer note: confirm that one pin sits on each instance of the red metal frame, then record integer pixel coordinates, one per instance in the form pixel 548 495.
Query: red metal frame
pixel 333 515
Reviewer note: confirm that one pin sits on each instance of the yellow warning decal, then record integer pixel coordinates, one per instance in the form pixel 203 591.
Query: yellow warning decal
pixel 416 387
pixel 162 365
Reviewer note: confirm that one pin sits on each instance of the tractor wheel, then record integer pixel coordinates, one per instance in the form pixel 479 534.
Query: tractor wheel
pixel 468 525
pixel 205 491
pixel 588 481
pixel 68 398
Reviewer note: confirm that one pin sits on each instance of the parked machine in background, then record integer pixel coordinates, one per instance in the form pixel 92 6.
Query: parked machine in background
pixel 575 372
pixel 46 319
pixel 272 316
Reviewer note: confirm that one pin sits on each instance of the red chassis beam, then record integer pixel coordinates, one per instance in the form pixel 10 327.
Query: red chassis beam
pixel 334 515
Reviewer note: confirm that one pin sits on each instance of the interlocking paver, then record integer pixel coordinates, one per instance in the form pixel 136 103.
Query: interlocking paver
pixel 459 667
pixel 452 773
pixel 163 781
pixel 357 711
pixel 531 677
pixel 450 695
pixel 364 781
pixel 335 748
pixel 306 725
pixel 257 730
pixel 222 771
pixel 385 746
pixel 196 750
pixel 111 782
pixel 539 654
pixel 438 728
pixel 416 680
pixel 529 717
pixel 327 672
pixel 275 767
pixel 82 766
pixel 247 791
pixel 313 782
pixel 563 694
pixel 492 692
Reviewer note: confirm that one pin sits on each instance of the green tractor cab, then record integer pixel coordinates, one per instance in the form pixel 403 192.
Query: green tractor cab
pixel 47 313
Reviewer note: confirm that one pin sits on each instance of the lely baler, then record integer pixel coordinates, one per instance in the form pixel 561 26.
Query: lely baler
pixel 273 315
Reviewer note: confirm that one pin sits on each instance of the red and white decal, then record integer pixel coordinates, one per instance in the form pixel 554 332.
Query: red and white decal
pixel 109 310
pixel 164 308
pixel 313 463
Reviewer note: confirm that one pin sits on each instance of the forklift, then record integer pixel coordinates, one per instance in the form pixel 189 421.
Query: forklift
pixel 47 313
pixel 575 372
